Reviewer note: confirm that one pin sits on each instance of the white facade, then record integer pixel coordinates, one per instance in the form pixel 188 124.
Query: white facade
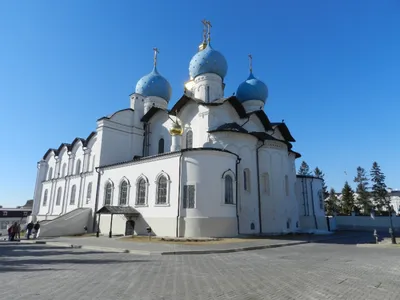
pixel 225 170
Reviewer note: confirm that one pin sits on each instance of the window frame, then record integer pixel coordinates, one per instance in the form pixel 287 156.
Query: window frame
pixel 146 191
pixel 122 182
pixel 286 186
pixel 187 184
pixel 73 195
pixel 266 184
pixel 45 196
pixel 78 164
pixel 89 195
pixel 111 184
pixel 247 180
pixel 167 189
pixel 223 187
pixel 161 142
pixel 321 201
pixel 189 131
pixel 58 196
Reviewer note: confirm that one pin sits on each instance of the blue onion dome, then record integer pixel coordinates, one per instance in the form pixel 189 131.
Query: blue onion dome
pixel 208 61
pixel 252 89
pixel 153 84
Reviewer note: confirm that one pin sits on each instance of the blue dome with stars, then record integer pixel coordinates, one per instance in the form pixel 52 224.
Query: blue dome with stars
pixel 208 61
pixel 252 89
pixel 153 84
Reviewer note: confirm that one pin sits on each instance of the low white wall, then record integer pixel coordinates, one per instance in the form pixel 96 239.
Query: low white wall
pixel 366 222
pixel 310 223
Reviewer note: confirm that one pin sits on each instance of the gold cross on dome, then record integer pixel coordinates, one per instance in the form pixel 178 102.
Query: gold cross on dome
pixel 204 30
pixel 251 63
pixel 208 24
pixel 155 55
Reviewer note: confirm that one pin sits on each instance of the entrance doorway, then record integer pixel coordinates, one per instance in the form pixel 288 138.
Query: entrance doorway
pixel 129 227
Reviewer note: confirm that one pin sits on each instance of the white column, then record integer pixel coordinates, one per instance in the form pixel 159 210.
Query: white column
pixel 176 143
pixel 40 175
pixel 86 160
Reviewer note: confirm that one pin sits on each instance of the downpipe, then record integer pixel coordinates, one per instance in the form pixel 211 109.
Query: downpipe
pixel 179 195
pixel 96 206
pixel 312 203
pixel 258 189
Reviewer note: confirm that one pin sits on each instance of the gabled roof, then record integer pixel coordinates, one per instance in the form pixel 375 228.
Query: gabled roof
pixel 57 151
pixel 284 130
pixel 112 115
pixel 118 210
pixel 152 111
pixel 234 127
pixel 297 155
pixel 262 116
pixel 184 100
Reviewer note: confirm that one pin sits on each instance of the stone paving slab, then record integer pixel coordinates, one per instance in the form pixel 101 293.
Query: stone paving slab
pixel 313 271
pixel 159 248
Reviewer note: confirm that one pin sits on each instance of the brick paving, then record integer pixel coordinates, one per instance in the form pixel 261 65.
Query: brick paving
pixel 158 247
pixel 309 271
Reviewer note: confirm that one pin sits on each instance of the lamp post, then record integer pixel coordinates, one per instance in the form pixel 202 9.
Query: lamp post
pixel 391 230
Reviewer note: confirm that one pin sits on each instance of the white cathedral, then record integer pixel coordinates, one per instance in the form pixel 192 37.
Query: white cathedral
pixel 210 166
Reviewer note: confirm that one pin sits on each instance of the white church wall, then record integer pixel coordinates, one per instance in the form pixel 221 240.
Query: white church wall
pixel 311 205
pixel 279 204
pixel 210 216
pixel 161 218
pixel 243 145
pixel 159 128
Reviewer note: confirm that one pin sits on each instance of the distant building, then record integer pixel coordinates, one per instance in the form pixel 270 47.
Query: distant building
pixel 11 215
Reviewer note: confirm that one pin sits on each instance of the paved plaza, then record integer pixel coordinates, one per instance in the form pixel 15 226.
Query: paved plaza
pixel 332 270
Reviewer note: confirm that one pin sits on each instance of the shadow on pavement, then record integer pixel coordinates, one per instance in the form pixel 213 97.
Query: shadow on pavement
pixel 340 237
pixel 16 257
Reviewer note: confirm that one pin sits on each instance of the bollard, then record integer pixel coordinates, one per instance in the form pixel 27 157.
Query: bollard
pixel 376 236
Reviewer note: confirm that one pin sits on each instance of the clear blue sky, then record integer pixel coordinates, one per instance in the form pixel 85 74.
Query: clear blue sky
pixel 332 68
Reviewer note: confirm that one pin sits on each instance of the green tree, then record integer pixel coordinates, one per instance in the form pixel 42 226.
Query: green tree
pixel 304 169
pixel 347 199
pixel 363 200
pixel 331 203
pixel 379 192
pixel 318 173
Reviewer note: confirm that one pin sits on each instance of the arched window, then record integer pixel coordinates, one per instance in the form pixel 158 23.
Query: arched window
pixel 108 194
pixel 50 174
pixel 123 193
pixel 161 190
pixel 286 185
pixel 141 192
pixel 64 168
pixel 265 183
pixel 89 193
pixel 78 167
pixel 45 198
pixel 228 189
pixel 73 192
pixel 246 180
pixel 321 200
pixel 161 146
pixel 189 139
pixel 58 199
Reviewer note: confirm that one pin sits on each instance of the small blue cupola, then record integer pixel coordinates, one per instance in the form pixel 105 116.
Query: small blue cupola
pixel 208 61
pixel 153 84
pixel 252 88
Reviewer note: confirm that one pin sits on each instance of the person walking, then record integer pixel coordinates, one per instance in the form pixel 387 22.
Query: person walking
pixel 37 230
pixel 29 228
pixel 18 231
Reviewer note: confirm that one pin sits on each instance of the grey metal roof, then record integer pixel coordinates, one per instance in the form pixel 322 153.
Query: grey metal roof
pixel 118 210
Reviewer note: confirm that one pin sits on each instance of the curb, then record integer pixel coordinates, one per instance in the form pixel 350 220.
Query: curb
pixel 183 252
